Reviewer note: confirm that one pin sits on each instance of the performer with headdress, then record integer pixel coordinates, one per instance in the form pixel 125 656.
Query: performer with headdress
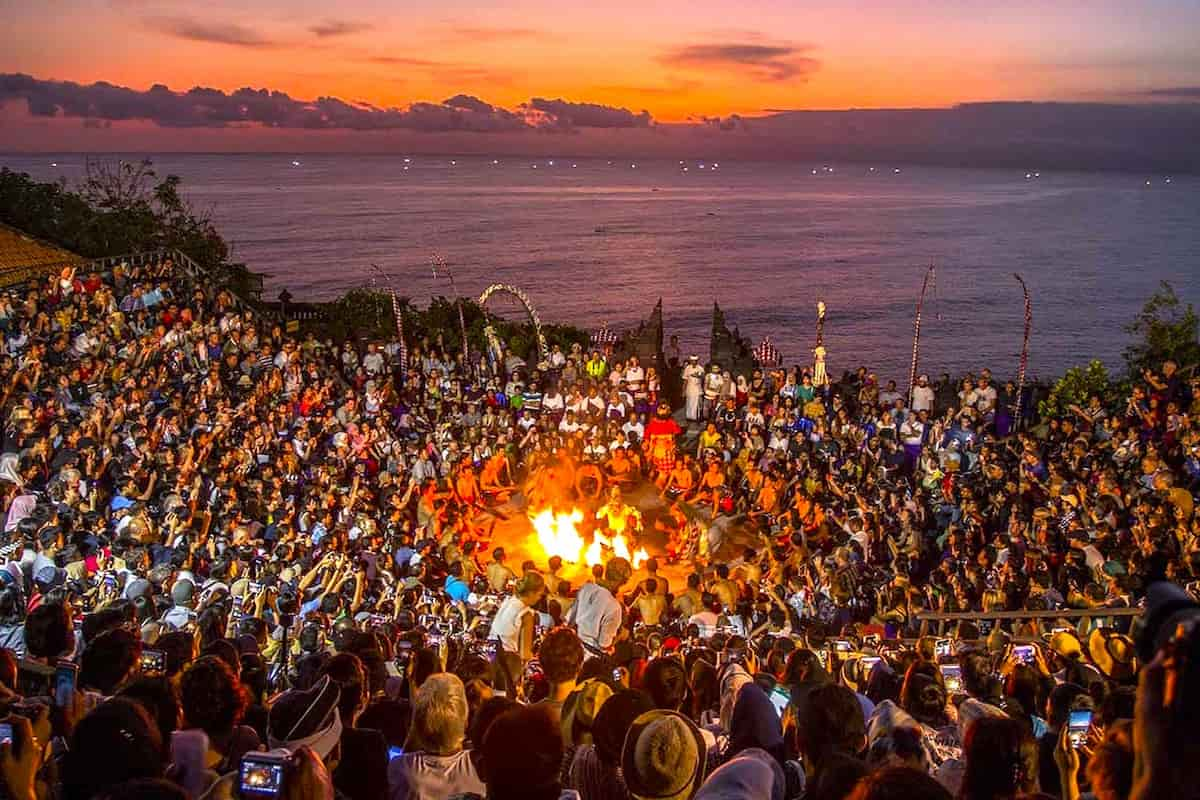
pixel 660 436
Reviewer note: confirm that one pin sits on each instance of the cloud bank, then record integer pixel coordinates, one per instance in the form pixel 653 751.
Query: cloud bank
pixel 1153 136
pixel 202 107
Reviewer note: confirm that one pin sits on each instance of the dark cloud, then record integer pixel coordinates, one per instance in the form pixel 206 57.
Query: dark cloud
pixel 768 61
pixel 564 115
pixel 203 31
pixel 469 102
pixel 1175 92
pixel 338 27
pixel 202 107
pixel 730 123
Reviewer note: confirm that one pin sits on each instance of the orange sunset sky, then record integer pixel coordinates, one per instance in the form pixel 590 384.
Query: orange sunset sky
pixel 679 61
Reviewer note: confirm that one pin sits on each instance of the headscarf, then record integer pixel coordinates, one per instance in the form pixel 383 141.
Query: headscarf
pixel 754 724
pixel 753 775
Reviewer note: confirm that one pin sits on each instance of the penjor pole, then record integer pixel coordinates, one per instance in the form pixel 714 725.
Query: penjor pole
pixel 438 261
pixel 912 372
pixel 398 316
pixel 1024 351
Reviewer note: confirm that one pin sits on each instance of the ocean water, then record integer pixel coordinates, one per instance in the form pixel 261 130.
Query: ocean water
pixel 593 241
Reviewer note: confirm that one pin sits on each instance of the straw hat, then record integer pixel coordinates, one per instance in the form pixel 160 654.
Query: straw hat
pixel 1112 653
pixel 1066 644
pixel 580 708
pixel 664 757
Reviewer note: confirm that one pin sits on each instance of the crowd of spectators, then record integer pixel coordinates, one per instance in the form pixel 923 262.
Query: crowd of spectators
pixel 242 563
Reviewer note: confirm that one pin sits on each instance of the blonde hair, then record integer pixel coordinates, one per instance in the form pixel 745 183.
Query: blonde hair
pixel 439 716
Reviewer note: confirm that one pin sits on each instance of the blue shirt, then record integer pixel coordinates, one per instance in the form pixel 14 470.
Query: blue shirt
pixel 403 556
pixel 457 589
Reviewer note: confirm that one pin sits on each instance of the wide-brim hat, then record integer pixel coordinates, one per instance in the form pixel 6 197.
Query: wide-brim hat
pixel 306 717
pixel 664 757
pixel 580 708
pixel 1065 644
pixel 1114 654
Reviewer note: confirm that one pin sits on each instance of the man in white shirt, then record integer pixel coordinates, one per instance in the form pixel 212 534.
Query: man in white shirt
pixel 985 397
pixel 922 395
pixel 596 613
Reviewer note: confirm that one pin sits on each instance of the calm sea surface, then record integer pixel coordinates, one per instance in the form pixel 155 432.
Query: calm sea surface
pixel 593 241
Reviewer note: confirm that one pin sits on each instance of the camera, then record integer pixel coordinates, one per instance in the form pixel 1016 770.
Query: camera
pixel 264 774
pixel 153 662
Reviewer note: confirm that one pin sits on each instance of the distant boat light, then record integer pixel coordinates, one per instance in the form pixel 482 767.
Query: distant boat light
pixel 1167 179
pixel 55 164
pixel 295 163
pixel 495 161
pixel 896 171
pixel 407 160
pixel 453 163
pixel 550 162
pixel 573 166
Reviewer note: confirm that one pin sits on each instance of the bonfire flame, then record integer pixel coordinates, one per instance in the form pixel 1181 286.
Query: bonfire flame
pixel 558 534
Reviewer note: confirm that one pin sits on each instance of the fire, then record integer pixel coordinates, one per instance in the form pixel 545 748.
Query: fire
pixel 558 534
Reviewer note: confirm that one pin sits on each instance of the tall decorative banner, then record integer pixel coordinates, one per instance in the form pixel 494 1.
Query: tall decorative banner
pixel 402 354
pixel 1024 351
pixel 437 261
pixel 912 373
pixel 820 377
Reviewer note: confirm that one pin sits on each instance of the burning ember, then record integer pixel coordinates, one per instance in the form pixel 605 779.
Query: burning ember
pixel 558 534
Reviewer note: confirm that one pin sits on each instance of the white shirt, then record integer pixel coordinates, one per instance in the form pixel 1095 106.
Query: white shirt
pixel 506 625
pixel 706 621
pixel 922 398
pixel 596 615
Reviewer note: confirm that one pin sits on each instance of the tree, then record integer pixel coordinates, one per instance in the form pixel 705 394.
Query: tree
pixel 118 207
pixel 1075 387
pixel 1166 328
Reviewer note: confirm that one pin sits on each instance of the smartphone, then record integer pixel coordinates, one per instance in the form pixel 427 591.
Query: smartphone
pixel 941 649
pixel 952 677
pixel 65 674
pixel 842 646
pixel 1023 653
pixel 153 662
pixel 1077 727
pixel 866 664
pixel 6 733
pixel 617 674
pixel 395 752
pixel 780 697
pixel 262 775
